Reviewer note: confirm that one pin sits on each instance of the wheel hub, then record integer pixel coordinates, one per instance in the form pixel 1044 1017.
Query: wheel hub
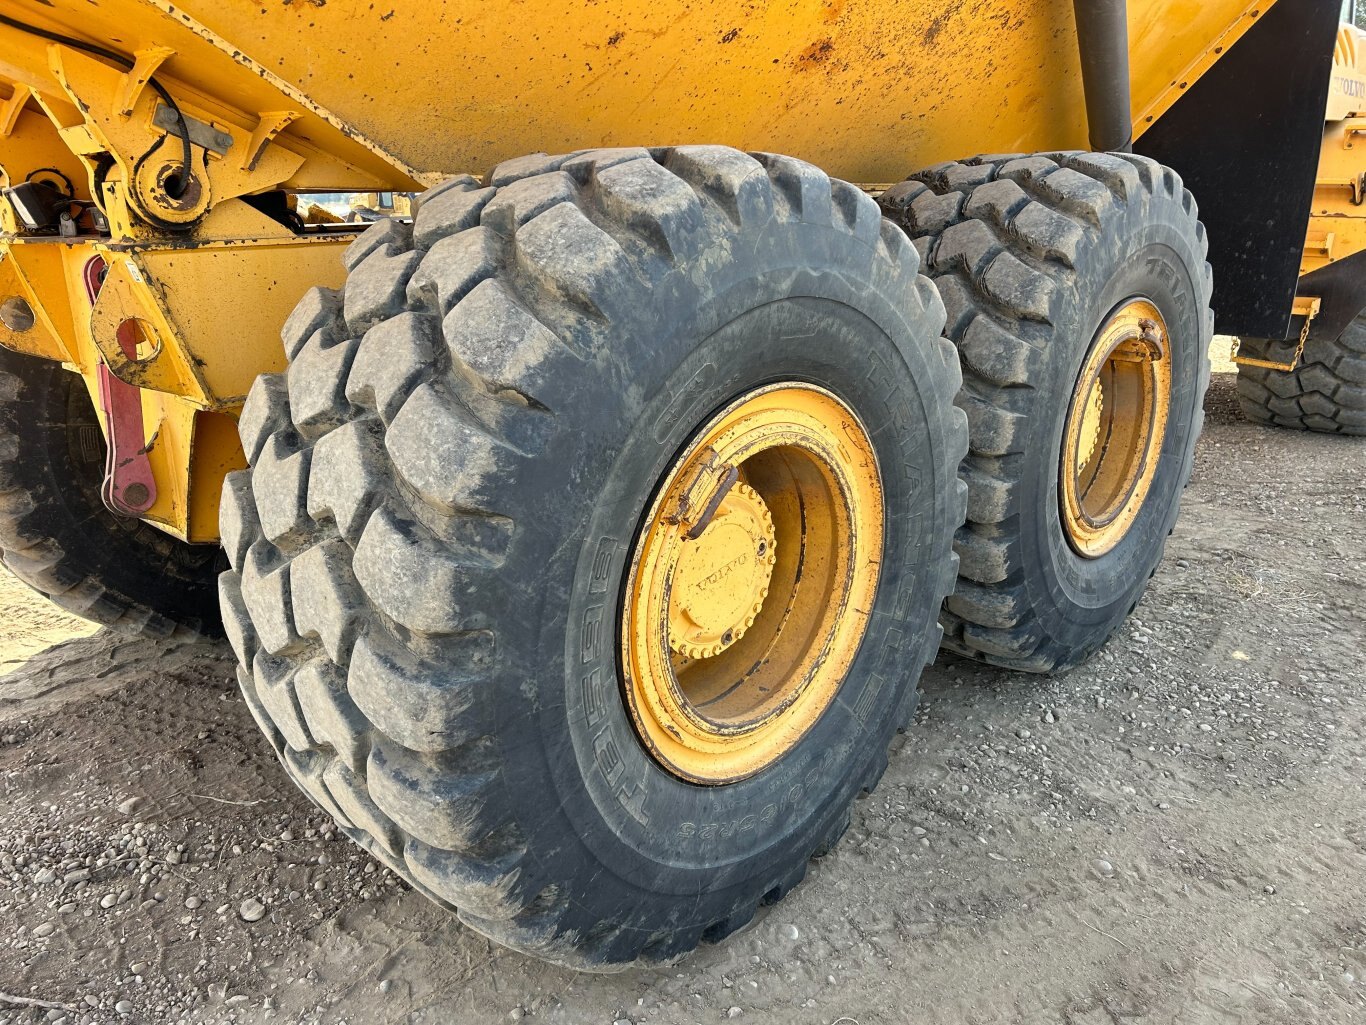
pixel 1112 444
pixel 752 583
pixel 722 577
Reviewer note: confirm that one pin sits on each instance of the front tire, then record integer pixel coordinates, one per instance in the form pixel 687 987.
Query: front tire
pixel 1050 266
pixel 452 483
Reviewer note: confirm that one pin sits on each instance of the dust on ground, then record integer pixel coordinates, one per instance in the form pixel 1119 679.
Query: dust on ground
pixel 29 625
pixel 1173 833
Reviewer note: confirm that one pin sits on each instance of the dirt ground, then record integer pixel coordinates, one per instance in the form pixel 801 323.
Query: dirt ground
pixel 1173 833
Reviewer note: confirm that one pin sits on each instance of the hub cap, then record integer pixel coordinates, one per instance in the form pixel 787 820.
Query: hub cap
pixel 1115 427
pixel 752 583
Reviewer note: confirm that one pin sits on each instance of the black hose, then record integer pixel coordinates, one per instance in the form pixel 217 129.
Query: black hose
pixel 127 64
pixel 1103 38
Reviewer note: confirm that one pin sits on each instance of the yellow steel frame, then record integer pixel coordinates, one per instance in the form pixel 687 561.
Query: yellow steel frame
pixel 301 97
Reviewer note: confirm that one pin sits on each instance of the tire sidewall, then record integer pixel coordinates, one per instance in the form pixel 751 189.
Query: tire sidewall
pixel 1148 254
pixel 594 801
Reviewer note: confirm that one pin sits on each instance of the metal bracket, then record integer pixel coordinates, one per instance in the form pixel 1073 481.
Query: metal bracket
pixel 11 108
pixel 203 135
pixel 271 124
pixel 1357 183
pixel 1305 307
pixel 130 486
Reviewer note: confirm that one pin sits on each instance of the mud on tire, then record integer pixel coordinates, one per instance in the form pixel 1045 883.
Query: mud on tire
pixel 429 547
pixel 1029 254
pixel 56 534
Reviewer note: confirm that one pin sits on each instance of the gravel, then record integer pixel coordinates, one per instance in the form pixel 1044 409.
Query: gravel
pixel 1068 849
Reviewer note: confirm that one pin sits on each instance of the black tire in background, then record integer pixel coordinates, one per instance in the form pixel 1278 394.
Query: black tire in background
pixel 1030 255
pixel 430 546
pixel 57 536
pixel 1326 392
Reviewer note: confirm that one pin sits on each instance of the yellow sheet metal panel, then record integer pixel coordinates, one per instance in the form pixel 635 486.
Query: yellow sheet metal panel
pixel 1337 221
pixel 211 78
pixel 866 90
pixel 213 312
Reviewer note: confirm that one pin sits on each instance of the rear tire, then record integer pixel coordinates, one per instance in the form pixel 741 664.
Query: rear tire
pixel 1031 255
pixel 431 547
pixel 57 536
pixel 1326 392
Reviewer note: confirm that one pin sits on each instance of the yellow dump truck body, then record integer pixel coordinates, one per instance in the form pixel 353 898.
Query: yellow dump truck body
pixel 863 90
pixel 349 95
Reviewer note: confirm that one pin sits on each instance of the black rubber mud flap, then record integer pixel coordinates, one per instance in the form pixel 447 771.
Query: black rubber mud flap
pixel 429 548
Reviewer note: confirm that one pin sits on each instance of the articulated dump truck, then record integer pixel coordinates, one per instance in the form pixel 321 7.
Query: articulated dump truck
pixel 582 531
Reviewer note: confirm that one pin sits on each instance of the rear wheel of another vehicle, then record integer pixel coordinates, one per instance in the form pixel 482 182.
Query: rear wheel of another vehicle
pixel 1326 392
pixel 593 540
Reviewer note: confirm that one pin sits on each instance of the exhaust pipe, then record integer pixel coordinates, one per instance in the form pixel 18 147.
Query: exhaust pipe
pixel 1103 39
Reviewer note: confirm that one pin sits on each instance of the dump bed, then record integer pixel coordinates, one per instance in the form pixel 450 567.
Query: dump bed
pixel 865 90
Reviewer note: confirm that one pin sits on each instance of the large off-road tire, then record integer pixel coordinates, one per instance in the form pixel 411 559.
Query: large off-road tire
pixel 1032 256
pixel 1326 392
pixel 57 536
pixel 432 545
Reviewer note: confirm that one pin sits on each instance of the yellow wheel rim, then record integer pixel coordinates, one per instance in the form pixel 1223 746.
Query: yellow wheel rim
pixel 1115 428
pixel 752 583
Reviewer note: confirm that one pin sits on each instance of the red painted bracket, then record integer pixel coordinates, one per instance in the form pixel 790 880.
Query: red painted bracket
pixel 129 487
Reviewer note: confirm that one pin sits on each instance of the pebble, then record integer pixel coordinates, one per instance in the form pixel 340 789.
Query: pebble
pixel 791 932
pixel 124 1007
pixel 192 902
pixel 129 806
pixel 623 1021
pixel 44 930
pixel 252 910
pixel 734 1012
pixel 1103 867
pixel 109 900
pixel 44 876
pixel 516 1014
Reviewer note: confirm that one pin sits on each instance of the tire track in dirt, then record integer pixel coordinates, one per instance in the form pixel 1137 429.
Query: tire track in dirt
pixel 1211 757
